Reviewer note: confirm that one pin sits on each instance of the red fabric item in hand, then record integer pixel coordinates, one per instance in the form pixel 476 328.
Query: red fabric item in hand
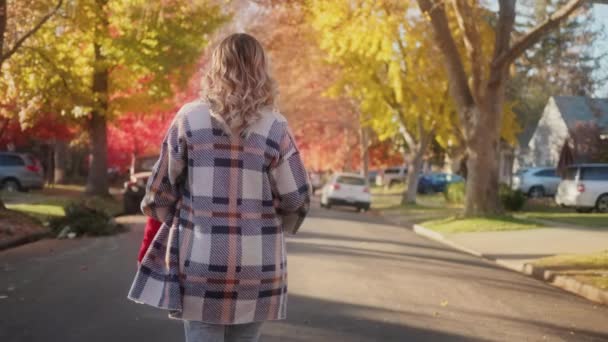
pixel 152 226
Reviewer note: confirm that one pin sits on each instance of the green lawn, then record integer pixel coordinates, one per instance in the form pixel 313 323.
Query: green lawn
pixel 589 268
pixel 39 211
pixel 427 207
pixel 433 212
pixel 391 198
pixel 436 214
pixel 50 201
pixel 397 189
pixel 479 224
pixel 592 220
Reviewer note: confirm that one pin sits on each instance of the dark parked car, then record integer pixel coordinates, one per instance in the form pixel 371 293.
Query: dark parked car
pixel 20 172
pixel 436 182
pixel 135 188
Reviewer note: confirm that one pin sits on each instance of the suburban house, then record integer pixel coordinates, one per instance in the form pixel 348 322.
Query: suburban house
pixel 561 118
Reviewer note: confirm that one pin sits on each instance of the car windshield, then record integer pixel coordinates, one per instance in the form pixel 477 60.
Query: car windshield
pixel 454 178
pixel 349 180
pixel 440 177
pixel 546 173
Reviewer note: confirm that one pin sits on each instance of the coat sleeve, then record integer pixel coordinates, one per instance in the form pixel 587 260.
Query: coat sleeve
pixel 290 185
pixel 163 190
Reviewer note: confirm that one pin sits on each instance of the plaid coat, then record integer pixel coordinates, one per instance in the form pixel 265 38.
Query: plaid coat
pixel 225 201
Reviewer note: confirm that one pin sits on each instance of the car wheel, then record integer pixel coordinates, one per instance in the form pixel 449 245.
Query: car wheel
pixel 537 192
pixel 602 204
pixel 11 185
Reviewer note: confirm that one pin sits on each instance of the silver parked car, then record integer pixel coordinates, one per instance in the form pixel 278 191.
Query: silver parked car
pixel 537 181
pixel 391 176
pixel 20 172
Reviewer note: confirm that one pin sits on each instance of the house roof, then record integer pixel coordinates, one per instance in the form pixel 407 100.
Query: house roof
pixel 583 109
pixel 524 137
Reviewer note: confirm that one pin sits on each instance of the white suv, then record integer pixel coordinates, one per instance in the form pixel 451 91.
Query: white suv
pixel 585 188
pixel 347 189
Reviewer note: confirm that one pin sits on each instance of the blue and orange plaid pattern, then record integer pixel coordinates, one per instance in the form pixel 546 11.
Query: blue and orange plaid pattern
pixel 225 202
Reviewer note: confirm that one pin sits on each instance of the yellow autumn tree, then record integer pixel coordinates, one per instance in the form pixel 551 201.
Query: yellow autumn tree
pixel 388 64
pixel 478 79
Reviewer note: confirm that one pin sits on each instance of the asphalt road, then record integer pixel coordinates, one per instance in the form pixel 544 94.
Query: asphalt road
pixel 352 278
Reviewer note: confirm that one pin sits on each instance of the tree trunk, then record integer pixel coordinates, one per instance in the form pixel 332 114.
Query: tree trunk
pixel 415 167
pixel 3 19
pixel 60 161
pixel 132 167
pixel 364 143
pixel 97 181
pixel 482 164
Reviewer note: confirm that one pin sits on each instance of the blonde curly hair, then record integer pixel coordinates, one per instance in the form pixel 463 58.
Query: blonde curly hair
pixel 238 84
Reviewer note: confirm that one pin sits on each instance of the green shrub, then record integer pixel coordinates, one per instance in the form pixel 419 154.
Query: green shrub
pixel 512 200
pixel 84 220
pixel 454 193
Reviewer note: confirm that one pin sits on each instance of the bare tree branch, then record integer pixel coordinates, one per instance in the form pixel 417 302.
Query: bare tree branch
pixel 407 135
pixel 504 28
pixel 459 86
pixel 28 34
pixel 472 41
pixel 532 37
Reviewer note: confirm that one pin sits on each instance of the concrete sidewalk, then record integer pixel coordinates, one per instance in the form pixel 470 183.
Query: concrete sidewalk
pixel 516 247
pixel 517 250
pixel 522 246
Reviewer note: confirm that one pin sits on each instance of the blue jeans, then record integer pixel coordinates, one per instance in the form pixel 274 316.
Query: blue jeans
pixel 205 332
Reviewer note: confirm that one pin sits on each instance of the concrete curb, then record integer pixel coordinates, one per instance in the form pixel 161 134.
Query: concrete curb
pixel 566 283
pixel 23 240
pixel 433 235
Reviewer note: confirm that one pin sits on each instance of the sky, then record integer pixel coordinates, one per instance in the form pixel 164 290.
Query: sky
pixel 601 16
pixel 600 12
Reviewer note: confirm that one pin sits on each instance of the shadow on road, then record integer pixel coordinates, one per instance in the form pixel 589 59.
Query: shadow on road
pixel 321 320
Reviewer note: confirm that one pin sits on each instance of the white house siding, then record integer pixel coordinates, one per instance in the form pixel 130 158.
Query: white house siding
pixel 546 143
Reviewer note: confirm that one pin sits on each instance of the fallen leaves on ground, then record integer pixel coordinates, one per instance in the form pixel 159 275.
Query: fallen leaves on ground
pixel 14 225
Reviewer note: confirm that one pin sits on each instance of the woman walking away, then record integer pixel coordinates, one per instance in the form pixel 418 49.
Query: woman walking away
pixel 229 182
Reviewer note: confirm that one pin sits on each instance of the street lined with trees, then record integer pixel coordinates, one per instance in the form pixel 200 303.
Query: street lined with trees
pixel 435 99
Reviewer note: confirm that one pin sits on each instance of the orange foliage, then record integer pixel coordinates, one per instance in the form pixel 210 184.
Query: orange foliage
pixel 326 129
